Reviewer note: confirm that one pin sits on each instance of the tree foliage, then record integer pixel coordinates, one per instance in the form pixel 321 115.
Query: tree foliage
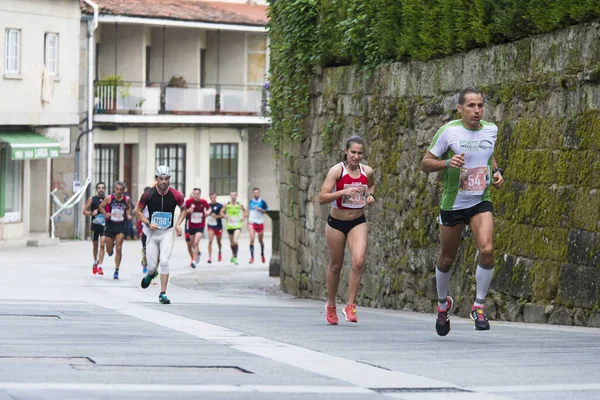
pixel 306 34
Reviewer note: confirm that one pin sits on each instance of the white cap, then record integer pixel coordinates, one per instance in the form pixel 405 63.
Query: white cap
pixel 162 171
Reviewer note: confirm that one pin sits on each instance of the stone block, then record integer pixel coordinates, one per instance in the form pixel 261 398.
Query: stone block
pixel 534 314
pixel 594 320
pixel 561 317
pixel 288 230
pixel 290 285
pixel 370 286
pixel 513 276
pixel 583 247
pixel 580 318
pixel 514 310
pixel 578 285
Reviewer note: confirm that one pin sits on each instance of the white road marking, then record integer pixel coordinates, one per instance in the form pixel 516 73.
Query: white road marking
pixel 343 369
pixel 567 387
pixel 98 387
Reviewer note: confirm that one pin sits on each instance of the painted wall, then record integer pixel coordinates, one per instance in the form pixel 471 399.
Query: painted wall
pixel 130 42
pixel 20 94
pixel 228 52
pixel 261 171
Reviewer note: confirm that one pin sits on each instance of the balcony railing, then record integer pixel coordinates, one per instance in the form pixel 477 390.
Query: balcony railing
pixel 162 98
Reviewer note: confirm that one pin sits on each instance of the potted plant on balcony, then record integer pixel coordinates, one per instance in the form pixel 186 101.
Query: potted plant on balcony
pixel 177 81
pixel 138 107
pixel 107 90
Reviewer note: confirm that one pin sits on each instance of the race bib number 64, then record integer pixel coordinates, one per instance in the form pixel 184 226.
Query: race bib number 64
pixel 474 180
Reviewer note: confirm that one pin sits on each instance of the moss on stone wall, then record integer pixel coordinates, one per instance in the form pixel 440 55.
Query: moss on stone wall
pixel 547 215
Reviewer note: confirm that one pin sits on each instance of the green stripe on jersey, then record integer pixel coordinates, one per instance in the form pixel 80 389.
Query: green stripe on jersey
pixel 451 176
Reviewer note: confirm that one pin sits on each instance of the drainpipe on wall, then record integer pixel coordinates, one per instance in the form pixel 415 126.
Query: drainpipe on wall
pixel 92 25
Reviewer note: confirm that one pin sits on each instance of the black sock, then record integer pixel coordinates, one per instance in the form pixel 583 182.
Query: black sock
pixel 262 249
pixel 162 292
pixel 252 251
pixel 235 251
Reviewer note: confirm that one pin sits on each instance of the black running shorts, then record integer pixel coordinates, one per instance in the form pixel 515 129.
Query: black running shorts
pixel 455 217
pixel 97 231
pixel 113 230
pixel 345 226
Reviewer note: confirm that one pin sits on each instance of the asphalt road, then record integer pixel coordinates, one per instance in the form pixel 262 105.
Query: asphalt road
pixel 231 334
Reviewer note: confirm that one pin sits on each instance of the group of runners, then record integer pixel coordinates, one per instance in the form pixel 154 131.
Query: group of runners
pixel 156 212
pixel 463 150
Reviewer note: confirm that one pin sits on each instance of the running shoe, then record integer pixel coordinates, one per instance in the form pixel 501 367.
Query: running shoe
pixel 235 261
pixel 145 270
pixel 263 258
pixel 193 264
pixel 331 314
pixel 147 279
pixel 100 272
pixel 220 257
pixel 198 258
pixel 251 261
pixel 209 261
pixel 231 259
pixel 95 269
pixel 442 323
pixel 116 274
pixel 110 254
pixel 350 312
pixel 480 317
pixel 163 299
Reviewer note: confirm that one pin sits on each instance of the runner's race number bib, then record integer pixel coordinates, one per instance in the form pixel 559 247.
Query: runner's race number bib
pixel 197 218
pixel 474 180
pixel 357 201
pixel 162 219
pixel 117 215
pixel 233 221
pixel 211 221
pixel 99 219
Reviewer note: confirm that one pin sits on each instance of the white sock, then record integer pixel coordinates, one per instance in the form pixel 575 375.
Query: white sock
pixel 442 280
pixel 484 279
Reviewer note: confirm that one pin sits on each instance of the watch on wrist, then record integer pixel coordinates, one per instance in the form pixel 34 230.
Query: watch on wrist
pixel 498 170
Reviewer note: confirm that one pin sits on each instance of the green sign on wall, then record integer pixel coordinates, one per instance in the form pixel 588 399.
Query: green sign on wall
pixel 26 145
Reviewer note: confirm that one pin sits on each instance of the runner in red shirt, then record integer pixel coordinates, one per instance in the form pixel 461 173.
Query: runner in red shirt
pixel 349 187
pixel 196 209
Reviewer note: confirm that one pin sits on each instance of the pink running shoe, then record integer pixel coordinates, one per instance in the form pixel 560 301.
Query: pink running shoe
pixel 350 312
pixel 331 314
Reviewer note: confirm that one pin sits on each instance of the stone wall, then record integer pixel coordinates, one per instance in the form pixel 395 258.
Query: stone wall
pixel 544 95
